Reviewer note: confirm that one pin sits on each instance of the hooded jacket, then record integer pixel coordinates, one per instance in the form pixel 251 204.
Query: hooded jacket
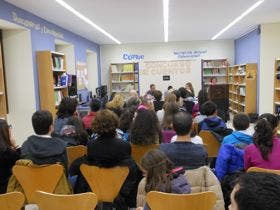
pixel 42 150
pixel 212 123
pixel 238 137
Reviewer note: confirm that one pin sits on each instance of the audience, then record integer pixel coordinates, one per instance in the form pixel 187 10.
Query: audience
pixel 265 152
pixel 158 103
pixel 190 89
pixel 145 129
pixel 183 152
pixel 256 191
pixel 41 148
pixel 9 154
pixel 116 105
pixel 125 123
pixel 66 109
pixel 197 113
pixel 161 176
pixel 169 98
pixel 133 102
pixel 94 105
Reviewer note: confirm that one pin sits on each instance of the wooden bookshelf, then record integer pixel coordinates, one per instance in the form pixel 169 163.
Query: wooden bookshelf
pixel 124 77
pixel 213 68
pixel 53 85
pixel 3 99
pixel 276 95
pixel 242 81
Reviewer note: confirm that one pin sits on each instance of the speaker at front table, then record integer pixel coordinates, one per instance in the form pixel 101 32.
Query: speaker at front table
pixel 219 94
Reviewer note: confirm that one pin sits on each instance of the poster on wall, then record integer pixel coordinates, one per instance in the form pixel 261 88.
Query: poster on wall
pixel 82 76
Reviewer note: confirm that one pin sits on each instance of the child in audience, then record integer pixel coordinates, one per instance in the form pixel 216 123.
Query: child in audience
pixel 169 98
pixel 94 105
pixel 9 154
pixel 256 191
pixel 265 152
pixel 158 103
pixel 126 120
pixel 41 148
pixel 183 152
pixel 197 112
pixel 160 175
pixel 116 105
pixel 190 89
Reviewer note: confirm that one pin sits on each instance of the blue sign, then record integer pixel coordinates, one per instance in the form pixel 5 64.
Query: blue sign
pixel 127 56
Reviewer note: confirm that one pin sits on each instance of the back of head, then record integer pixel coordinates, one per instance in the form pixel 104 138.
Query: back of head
pixel 133 102
pixel 184 93
pixel 67 107
pixel 257 191
pixel 156 165
pixel 241 121
pixel 4 135
pixel 202 97
pixel 105 123
pixel 170 109
pixel 209 108
pixel 158 95
pixel 95 105
pixel 182 123
pixel 264 132
pixel 117 102
pixel 41 122
pixel 170 97
pixel 177 94
pixel 127 118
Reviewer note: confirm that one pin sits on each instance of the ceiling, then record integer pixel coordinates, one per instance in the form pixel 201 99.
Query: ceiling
pixel 141 21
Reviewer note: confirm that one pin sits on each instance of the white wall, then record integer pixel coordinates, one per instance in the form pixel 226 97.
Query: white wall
pixel 92 70
pixel 165 52
pixel 68 50
pixel 19 81
pixel 269 51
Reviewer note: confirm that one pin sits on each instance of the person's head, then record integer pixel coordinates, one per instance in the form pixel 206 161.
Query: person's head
pixel 133 93
pixel 145 129
pixel 133 102
pixel 158 95
pixel 209 108
pixel 105 123
pixel 184 93
pixel 152 87
pixel 169 87
pixel 156 167
pixel 189 87
pixel 202 97
pixel 42 122
pixel 170 109
pixel 147 102
pixel 127 118
pixel 256 191
pixel 170 97
pixel 177 94
pixel 95 105
pixel 5 135
pixel 213 80
pixel 117 102
pixel 264 131
pixel 241 122
pixel 182 123
pixel 67 107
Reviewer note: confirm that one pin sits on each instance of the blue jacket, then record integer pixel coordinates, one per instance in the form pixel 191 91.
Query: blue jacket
pixel 212 123
pixel 238 138
pixel 230 159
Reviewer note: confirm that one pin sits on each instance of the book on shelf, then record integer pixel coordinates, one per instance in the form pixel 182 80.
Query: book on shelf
pixel 57 62
pixel 57 97
pixel 114 69
pixel 126 77
pixel 242 91
pixel 128 68
pixel 64 80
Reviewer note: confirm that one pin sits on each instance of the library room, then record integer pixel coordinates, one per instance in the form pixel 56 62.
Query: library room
pixel 139 105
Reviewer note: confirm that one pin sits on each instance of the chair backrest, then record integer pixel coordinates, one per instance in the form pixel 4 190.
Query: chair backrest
pixel 138 151
pixel 212 144
pixel 33 178
pixel 105 182
pixel 264 170
pixel 194 201
pixel 11 201
pixel 195 128
pixel 167 135
pixel 47 201
pixel 74 152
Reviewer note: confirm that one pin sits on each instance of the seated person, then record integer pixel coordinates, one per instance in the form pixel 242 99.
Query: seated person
pixel 95 105
pixel 241 135
pixel 183 152
pixel 212 122
pixel 158 103
pixel 256 191
pixel 41 148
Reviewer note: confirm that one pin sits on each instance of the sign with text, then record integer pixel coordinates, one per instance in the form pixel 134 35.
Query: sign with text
pixel 189 53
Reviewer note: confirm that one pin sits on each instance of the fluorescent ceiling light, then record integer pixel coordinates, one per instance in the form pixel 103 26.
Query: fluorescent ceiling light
pixel 254 6
pixel 87 20
pixel 165 18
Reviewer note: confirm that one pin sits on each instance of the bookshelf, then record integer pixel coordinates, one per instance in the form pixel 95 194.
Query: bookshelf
pixel 213 68
pixel 53 79
pixel 3 99
pixel 242 81
pixel 124 77
pixel 276 100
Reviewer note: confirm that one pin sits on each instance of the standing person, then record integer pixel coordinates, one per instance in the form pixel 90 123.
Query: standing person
pixel 66 109
pixel 94 105
pixel 9 154
pixel 213 80
pixel 189 88
pixel 41 148
pixel 265 152
pixel 152 89
pixel 160 176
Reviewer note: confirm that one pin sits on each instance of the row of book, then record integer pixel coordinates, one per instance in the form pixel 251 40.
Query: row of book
pixel 60 80
pixel 124 68
pixel 123 77
pixel 215 63
pixel 57 62
pixel 214 72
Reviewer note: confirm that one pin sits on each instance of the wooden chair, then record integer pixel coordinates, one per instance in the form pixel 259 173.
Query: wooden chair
pixel 211 142
pixel 105 182
pixel 11 201
pixel 44 178
pixel 256 169
pixel 195 128
pixel 47 201
pixel 194 201
pixel 74 152
pixel 138 151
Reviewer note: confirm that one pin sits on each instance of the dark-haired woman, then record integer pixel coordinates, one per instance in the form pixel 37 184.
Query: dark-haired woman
pixel 265 152
pixel 9 154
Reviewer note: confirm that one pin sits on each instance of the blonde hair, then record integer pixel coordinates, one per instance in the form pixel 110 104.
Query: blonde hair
pixel 117 102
